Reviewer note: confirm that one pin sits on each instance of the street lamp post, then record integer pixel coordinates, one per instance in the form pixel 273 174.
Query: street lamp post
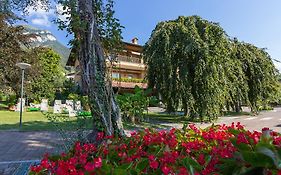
pixel 22 66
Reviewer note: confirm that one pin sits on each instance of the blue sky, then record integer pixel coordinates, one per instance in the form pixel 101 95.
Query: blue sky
pixel 254 21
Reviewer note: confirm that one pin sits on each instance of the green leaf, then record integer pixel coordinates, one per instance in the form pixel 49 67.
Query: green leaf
pixel 142 165
pixel 228 166
pixel 191 164
pixel 125 166
pixel 257 159
pixel 243 147
pixel 133 172
pixel 119 171
pixel 233 131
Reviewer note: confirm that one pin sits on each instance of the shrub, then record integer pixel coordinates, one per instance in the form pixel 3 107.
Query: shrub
pixel 218 149
pixel 265 108
pixel 133 105
pixel 12 100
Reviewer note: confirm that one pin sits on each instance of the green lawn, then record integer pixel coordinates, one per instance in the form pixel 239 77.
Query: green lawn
pixel 36 121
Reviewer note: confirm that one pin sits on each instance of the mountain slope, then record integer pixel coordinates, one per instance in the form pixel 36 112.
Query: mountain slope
pixel 45 38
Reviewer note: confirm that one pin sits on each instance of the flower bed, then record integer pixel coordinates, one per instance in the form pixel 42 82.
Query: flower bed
pixel 216 150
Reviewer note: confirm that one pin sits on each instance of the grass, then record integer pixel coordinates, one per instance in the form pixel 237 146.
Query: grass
pixel 35 121
pixel 165 118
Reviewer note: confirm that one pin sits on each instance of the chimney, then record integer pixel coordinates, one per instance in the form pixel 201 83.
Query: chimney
pixel 135 40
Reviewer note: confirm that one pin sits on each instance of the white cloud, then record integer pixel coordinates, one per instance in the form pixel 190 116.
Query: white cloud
pixel 277 65
pixel 43 21
pixel 40 16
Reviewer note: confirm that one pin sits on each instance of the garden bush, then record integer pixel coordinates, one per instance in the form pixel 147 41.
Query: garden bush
pixel 218 149
pixel 133 105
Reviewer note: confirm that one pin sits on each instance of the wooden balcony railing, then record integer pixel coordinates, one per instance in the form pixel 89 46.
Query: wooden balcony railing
pixel 128 59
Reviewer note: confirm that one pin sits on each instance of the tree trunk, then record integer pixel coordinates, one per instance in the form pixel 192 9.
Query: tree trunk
pixel 237 107
pixel 105 111
pixel 185 108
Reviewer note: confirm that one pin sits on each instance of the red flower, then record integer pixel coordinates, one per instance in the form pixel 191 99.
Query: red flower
pixel 183 171
pixel 163 149
pixel 241 138
pixel 153 164
pixel 89 166
pixel 98 162
pixel 36 169
pixel 201 159
pixel 166 170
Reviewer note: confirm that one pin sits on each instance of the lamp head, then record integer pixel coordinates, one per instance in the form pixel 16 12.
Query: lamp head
pixel 23 65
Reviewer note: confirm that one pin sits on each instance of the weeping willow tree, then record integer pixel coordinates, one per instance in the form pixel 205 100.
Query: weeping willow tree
pixel 186 60
pixel 260 72
pixel 193 64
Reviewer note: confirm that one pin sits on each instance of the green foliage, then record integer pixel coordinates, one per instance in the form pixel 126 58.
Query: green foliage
pixel 12 42
pixel 260 72
pixel 12 99
pixel 133 105
pixel 45 74
pixel 109 28
pixel 193 63
pixel 51 75
pixel 254 157
pixel 73 96
pixel 153 101
pixel 69 87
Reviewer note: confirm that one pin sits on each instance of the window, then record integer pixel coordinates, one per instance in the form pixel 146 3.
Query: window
pixel 130 76
pixel 115 75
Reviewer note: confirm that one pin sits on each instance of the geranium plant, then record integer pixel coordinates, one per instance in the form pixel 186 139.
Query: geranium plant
pixel 218 149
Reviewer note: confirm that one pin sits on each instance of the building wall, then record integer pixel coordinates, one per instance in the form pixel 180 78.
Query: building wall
pixel 129 64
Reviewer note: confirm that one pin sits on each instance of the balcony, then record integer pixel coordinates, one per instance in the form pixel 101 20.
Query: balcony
pixel 129 59
pixel 129 83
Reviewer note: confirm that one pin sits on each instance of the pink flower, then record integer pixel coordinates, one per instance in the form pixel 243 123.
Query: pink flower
pixel 98 162
pixel 100 136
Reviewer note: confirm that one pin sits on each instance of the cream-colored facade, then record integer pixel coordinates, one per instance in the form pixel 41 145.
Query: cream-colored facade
pixel 128 70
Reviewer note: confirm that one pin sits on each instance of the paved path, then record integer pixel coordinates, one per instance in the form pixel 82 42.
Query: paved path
pixel 18 148
pixel 270 119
